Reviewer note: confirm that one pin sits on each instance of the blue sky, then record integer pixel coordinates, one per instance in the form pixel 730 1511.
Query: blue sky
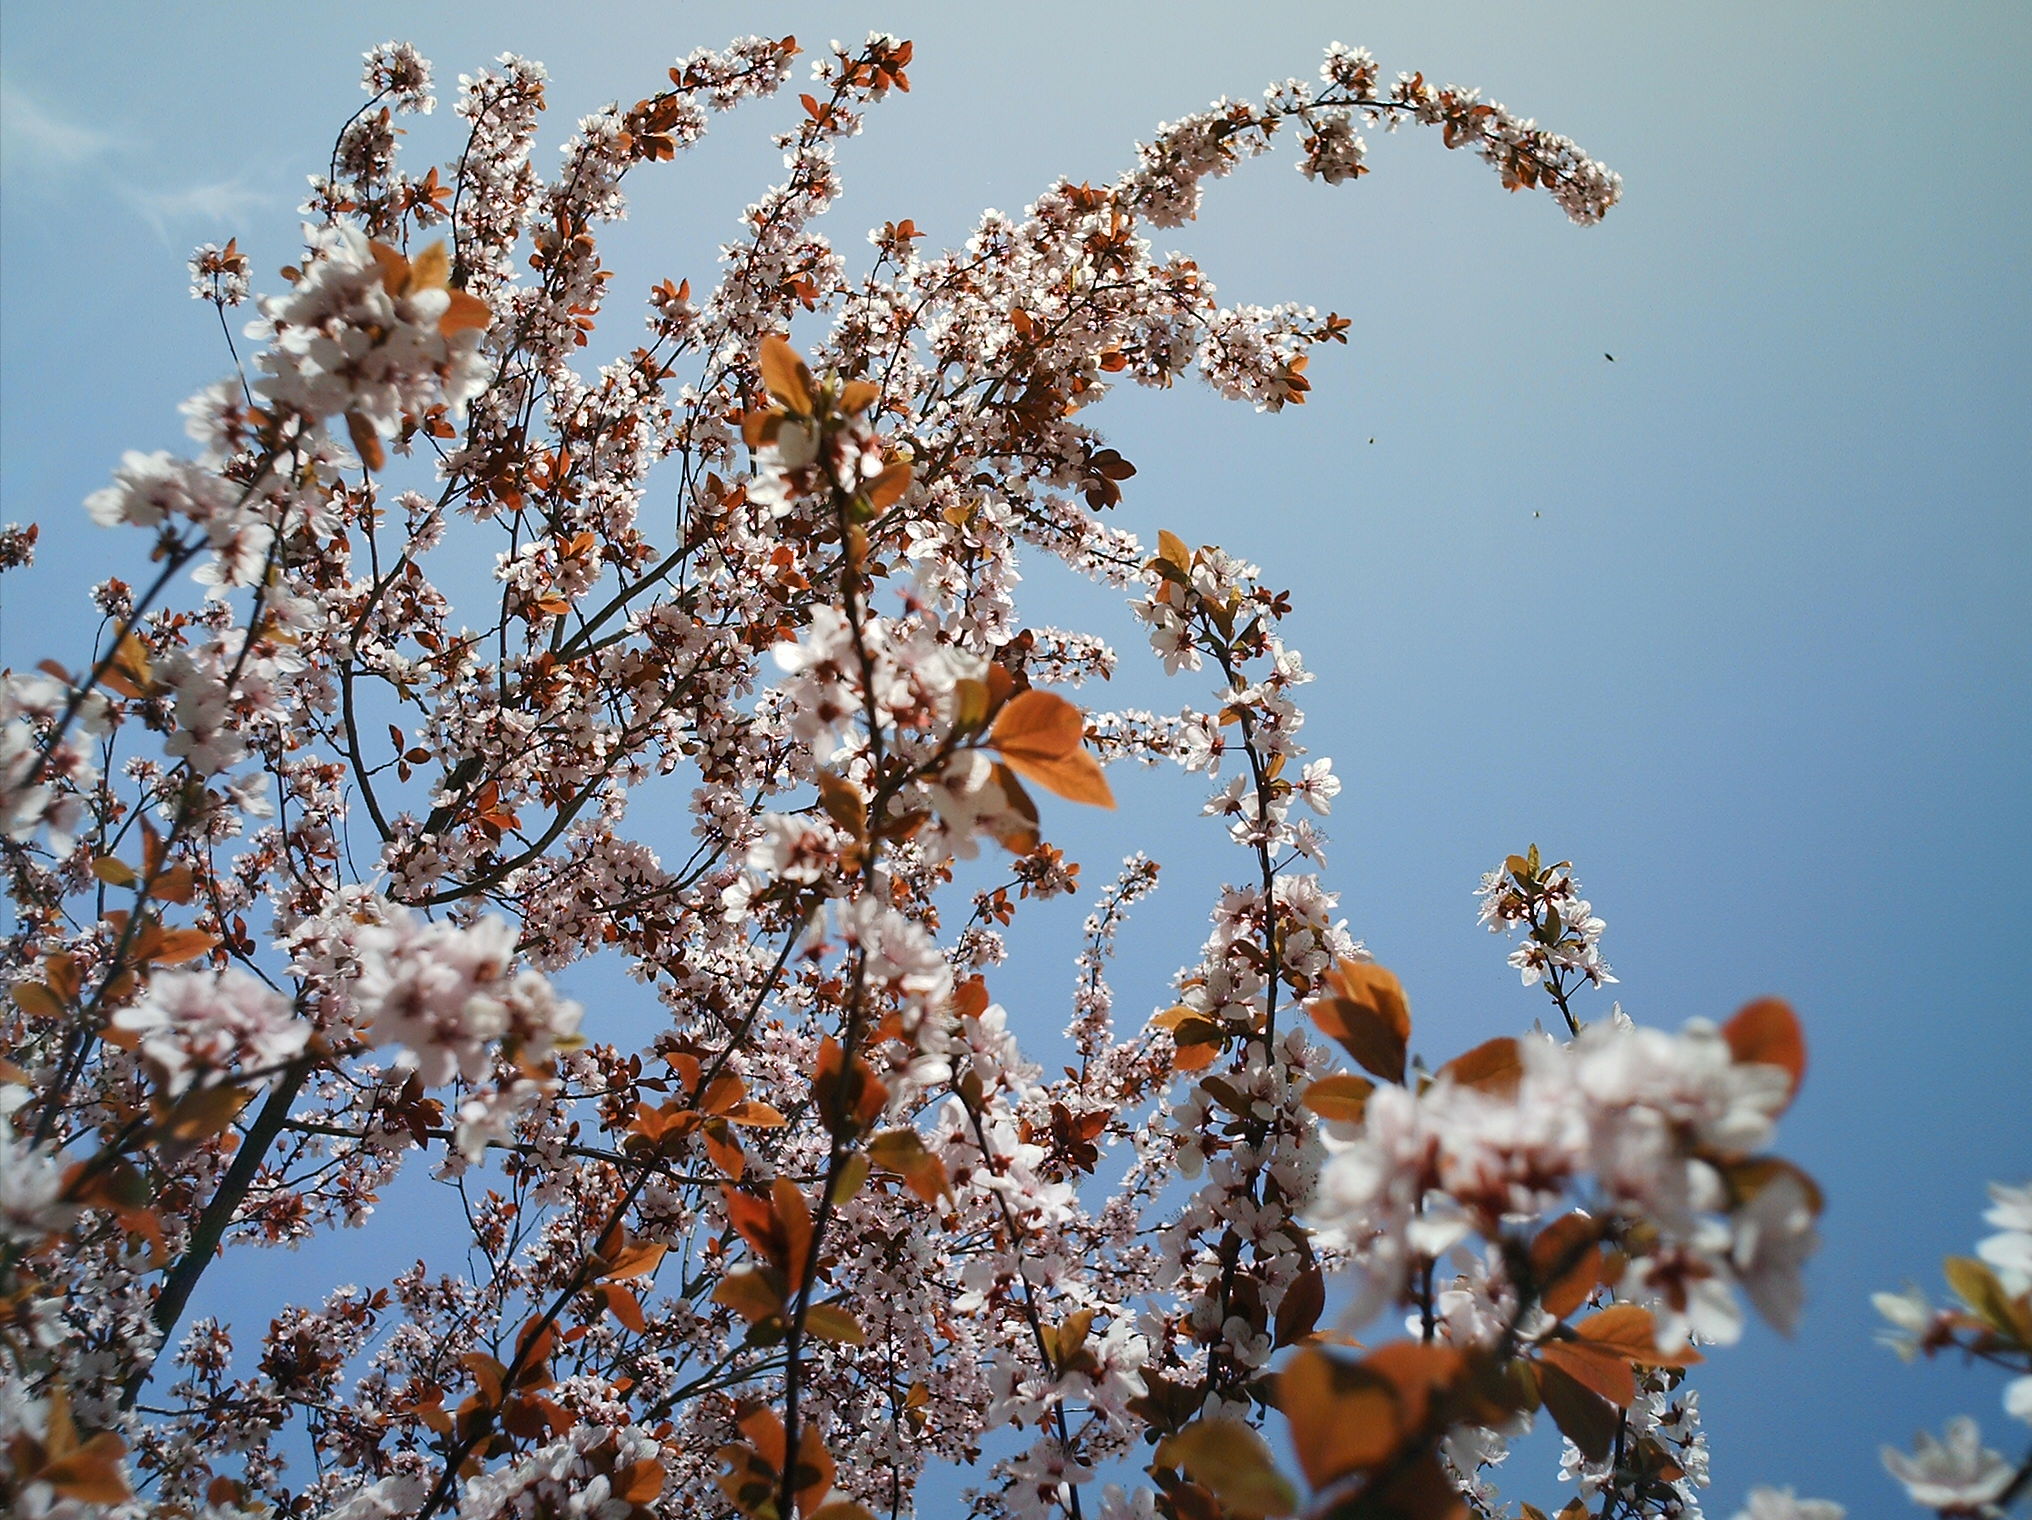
pixel 1740 622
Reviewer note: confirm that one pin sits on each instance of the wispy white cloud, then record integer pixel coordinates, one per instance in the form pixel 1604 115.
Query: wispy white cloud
pixel 218 204
pixel 37 140
pixel 39 144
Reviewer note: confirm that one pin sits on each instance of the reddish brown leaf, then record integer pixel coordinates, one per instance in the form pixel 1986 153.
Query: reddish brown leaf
pixel 1767 1033
pixel 1039 725
pixel 624 1305
pixel 749 1294
pixel 887 488
pixel 1566 1260
pixel 1300 1308
pixel 785 376
pixel 639 1482
pixel 795 1216
pixel 1594 1368
pixel 1343 1097
pixel 636 1259
pixel 1587 1419
pixel 1343 1419
pixel 175 946
pixel 466 312
pixel 1365 1010
pixel 1628 1330
pixel 1493 1066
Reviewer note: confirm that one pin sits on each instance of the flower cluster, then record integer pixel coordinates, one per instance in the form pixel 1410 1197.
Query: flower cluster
pixel 371 336
pixel 195 1024
pixel 749 709
pixel 219 275
pixel 1562 935
pixel 449 996
pixel 1636 1124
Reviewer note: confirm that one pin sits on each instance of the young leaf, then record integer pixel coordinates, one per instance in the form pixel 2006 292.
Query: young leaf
pixel 1343 1097
pixel 1566 1260
pixel 902 1151
pixel 1767 1033
pixel 830 1322
pixel 1232 1460
pixel 1366 1011
pixel 1586 1419
pixel 1598 1370
pixel 1628 1330
pixel 1343 1419
pixel 1039 735
pixel 1493 1066
pixel 785 376
pixel 750 1294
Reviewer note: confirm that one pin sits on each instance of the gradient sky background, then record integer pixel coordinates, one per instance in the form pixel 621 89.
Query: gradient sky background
pixel 1740 622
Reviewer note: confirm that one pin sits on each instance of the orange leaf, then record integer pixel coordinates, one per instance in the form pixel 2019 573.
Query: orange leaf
pixel 1767 1033
pixel 842 1509
pixel 1597 1370
pixel 785 375
pixel 1492 1066
pixel 37 1000
pixel 885 489
pixel 431 269
pixel 724 1151
pixel 1343 1419
pixel 91 1473
pixel 176 885
pixel 1077 777
pixel 1038 725
pixel 199 1114
pixel 1566 1258
pixel 129 672
pixel 765 1433
pixel 1366 1011
pixel 1416 1371
pixel 626 1307
pixel 393 268
pixel 1344 1097
pixel 1584 1417
pixel 722 1093
pixel 639 1482
pixel 366 442
pixel 465 312
pixel 749 1294
pixel 815 1470
pixel 1232 1460
pixel 179 945
pixel 830 1322
pixel 637 1259
pixel 796 1223
pixel 902 1151
pixel 1628 1330
pixel 756 1222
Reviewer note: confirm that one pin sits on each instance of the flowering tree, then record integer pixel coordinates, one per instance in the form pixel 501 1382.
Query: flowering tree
pixel 293 861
